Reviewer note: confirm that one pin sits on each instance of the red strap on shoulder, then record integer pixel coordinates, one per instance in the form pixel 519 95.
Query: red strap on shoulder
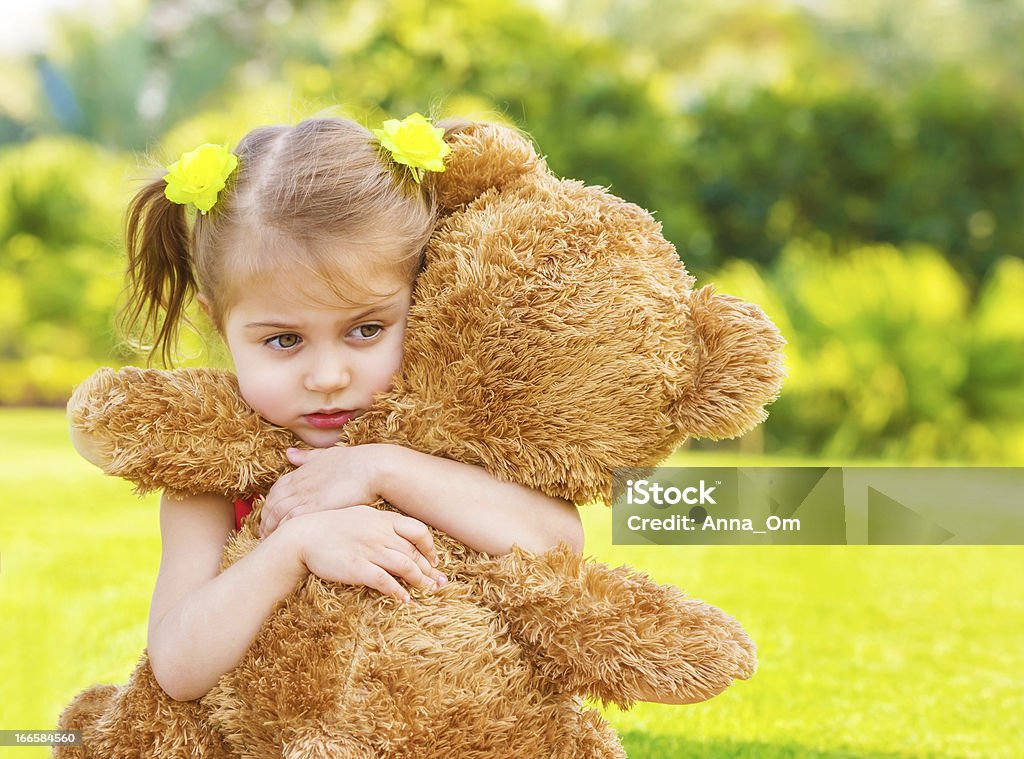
pixel 243 507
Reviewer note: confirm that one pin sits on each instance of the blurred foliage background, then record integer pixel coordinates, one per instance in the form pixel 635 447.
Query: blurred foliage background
pixel 856 168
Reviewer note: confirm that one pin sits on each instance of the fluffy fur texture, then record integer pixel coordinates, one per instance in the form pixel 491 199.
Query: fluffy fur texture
pixel 554 336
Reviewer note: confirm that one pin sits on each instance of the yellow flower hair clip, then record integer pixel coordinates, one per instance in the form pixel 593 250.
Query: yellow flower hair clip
pixel 199 175
pixel 414 143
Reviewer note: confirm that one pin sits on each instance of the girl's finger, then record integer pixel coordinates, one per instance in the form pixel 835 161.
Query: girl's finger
pixel 268 523
pixel 418 534
pixel 298 456
pixel 377 577
pixel 293 512
pixel 282 520
pixel 409 549
pixel 271 519
pixel 401 565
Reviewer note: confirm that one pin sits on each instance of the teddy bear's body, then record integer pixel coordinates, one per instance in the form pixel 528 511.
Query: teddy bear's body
pixel 553 337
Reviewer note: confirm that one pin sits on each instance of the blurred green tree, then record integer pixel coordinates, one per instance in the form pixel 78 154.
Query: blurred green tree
pixel 941 167
pixel 60 200
pixel 889 357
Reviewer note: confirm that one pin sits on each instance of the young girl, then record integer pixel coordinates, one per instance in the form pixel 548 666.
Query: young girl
pixel 305 264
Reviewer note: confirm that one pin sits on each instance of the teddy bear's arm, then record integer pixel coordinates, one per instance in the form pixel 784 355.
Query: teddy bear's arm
pixel 613 633
pixel 187 430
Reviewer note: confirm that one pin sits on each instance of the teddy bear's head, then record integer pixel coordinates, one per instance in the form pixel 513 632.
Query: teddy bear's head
pixel 555 335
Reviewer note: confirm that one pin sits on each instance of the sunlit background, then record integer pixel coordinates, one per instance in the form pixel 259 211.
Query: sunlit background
pixel 856 168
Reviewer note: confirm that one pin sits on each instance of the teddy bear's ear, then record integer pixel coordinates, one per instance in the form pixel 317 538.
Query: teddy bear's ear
pixel 738 366
pixel 483 156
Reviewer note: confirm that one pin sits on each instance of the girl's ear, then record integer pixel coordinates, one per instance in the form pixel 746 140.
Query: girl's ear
pixel 207 308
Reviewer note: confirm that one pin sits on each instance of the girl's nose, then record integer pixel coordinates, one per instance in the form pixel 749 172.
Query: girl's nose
pixel 328 374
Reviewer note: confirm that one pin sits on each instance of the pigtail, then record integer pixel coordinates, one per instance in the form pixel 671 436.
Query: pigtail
pixel 160 280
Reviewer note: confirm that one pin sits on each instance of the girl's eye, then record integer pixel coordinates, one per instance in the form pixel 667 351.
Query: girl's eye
pixel 284 341
pixel 368 331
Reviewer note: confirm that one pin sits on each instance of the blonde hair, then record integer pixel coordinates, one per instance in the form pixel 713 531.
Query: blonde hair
pixel 317 198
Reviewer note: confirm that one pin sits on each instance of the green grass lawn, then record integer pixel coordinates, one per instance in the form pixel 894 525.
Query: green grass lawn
pixel 865 651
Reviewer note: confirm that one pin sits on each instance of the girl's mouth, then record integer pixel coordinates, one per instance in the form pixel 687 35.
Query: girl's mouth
pixel 329 421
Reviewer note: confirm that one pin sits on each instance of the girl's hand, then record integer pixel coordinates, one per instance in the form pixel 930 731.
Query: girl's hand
pixel 362 545
pixel 326 478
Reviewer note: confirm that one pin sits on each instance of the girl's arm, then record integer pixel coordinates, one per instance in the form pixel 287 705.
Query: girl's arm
pixel 466 502
pixel 202 621
pixel 463 500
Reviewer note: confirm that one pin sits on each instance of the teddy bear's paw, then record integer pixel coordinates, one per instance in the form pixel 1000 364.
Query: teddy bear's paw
pixel 614 633
pixel 184 430
pixel 84 714
pixel 746 655
pixel 701 655
pixel 593 739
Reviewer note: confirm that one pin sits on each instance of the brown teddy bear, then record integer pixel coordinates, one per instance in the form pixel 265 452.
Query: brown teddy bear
pixel 554 336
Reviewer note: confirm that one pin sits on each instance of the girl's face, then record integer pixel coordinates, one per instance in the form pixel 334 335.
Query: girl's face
pixel 311 368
